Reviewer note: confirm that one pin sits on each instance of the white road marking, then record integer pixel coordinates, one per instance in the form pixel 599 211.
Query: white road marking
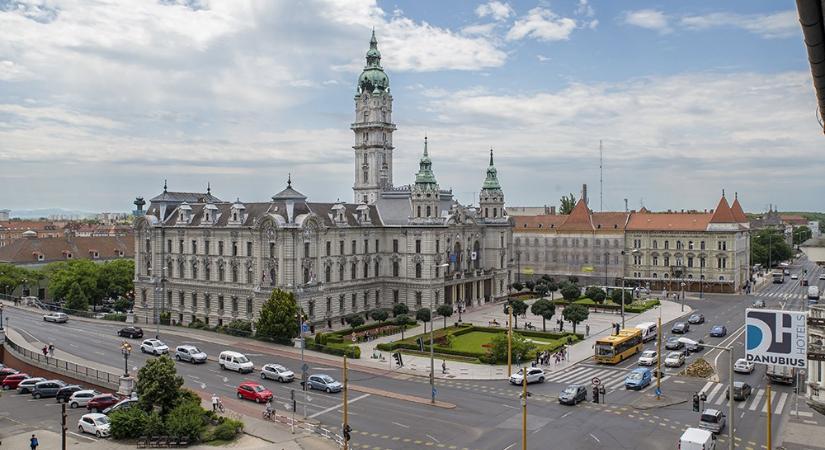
pixel 333 408
pixel 757 399
pixel 765 406
pixel 594 437
pixel 713 392
pixel 401 425
pixel 434 439
pixel 706 387
pixel 781 403
pixel 509 446
pixel 82 436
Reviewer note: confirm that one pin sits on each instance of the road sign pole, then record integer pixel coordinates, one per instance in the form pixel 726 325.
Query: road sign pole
pixel 659 360
pixel 524 408
pixel 509 339
pixel 768 393
pixel 346 410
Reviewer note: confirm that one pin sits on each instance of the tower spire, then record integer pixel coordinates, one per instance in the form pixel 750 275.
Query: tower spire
pixel 208 187
pixel 425 146
pixel 289 180
pixel 491 156
pixel 164 185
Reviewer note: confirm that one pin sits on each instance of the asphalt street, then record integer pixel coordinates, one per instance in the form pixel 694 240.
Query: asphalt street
pixel 487 413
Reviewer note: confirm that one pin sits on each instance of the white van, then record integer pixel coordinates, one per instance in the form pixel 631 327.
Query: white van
pixel 648 330
pixel 697 439
pixel 813 292
pixel 235 361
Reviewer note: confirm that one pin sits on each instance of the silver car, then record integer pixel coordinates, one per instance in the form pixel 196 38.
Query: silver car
pixel 56 317
pixel 28 384
pixel 190 353
pixel 277 372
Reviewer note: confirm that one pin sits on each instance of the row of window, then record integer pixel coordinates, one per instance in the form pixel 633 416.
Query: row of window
pixel 667 276
pixel 574 258
pixel 573 242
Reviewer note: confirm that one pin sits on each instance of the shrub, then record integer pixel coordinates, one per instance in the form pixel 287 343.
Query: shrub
pixel 570 292
pixel 128 423
pixel 597 294
pixel 185 420
pixel 118 317
pixel 165 317
pixel 400 309
pixel 354 320
pixel 239 327
pixel 517 286
pixel 379 315
pixel 227 429
pixel 197 324
pixel 154 425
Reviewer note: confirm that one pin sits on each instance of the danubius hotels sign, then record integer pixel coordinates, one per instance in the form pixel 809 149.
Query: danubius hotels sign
pixel 776 338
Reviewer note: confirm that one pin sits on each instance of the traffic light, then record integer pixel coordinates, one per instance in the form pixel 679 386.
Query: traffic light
pixel 696 402
pixel 347 432
pixel 398 360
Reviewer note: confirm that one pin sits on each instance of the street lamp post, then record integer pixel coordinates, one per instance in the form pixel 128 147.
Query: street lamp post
pixel 125 348
pixel 432 342
pixel 1 316
pixel 731 417
pixel 701 276
pixel 682 285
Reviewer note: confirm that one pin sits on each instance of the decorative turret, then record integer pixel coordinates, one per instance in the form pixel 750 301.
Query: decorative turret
pixel 373 130
pixel 425 192
pixel 491 199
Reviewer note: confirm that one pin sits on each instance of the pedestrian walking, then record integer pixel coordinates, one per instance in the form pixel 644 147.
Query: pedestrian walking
pixel 443 366
pixel 33 442
pixel 46 351
pixel 51 350
pixel 587 330
pixel 215 401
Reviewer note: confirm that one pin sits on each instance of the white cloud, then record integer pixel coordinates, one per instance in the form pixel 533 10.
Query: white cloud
pixel 648 18
pixel 584 8
pixel 782 24
pixel 543 58
pixel 495 9
pixel 542 24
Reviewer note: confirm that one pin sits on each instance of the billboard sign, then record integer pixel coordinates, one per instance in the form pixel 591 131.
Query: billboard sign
pixel 776 338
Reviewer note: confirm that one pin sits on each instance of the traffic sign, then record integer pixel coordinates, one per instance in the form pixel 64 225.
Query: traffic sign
pixel 305 328
pixel 596 381
pixel 435 391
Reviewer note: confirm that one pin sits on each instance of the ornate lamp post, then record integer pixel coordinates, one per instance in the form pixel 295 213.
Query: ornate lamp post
pixel 1 316
pixel 125 349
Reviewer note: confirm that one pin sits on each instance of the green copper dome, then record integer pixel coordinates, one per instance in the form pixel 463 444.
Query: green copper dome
pixel 373 79
pixel 425 168
pixel 491 182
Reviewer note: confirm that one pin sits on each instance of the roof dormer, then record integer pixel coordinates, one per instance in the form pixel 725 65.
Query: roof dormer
pixel 210 214
pixel 236 212
pixel 363 213
pixel 339 214
pixel 184 213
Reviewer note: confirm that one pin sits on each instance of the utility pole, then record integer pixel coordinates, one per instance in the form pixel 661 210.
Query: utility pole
pixel 659 357
pixel 524 408
pixel 432 355
pixel 346 412
pixel 768 393
pixel 63 425
pixel 601 177
pixel 509 340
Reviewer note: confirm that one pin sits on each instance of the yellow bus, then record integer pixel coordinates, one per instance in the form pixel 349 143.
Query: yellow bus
pixel 616 348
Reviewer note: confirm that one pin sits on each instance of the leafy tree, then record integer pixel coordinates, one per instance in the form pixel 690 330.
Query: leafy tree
pixel 379 315
pixel 617 296
pixel 122 304
pixel 575 314
pixel 520 348
pixel 444 310
pixel 354 320
pixel 530 285
pixel 76 300
pixel 64 274
pixel 278 319
pixel 801 234
pixel 541 290
pixel 186 420
pixel 769 247
pixel 573 279
pixel 544 308
pixel 596 294
pixel 239 327
pixel 519 308
pixel 570 292
pixel 128 423
pixel 566 204
pixel 424 315
pixel 547 279
pixel 517 286
pixel 158 385
pixel 116 278
pixel 401 320
pixel 400 309
pixel 11 277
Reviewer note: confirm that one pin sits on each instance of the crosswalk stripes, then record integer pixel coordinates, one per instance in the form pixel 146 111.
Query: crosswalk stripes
pixel 718 396
pixel 756 399
pixel 713 392
pixel 765 406
pixel 780 403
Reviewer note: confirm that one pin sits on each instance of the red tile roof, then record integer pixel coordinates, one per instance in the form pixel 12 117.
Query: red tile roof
pixel 723 213
pixel 541 222
pixel 28 250
pixel 578 219
pixel 793 219
pixel 668 222
pixel 605 221
pixel 738 214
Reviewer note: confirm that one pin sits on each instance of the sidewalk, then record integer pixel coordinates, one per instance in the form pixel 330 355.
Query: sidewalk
pixel 803 430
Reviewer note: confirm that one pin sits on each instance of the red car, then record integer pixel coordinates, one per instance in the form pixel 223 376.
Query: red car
pixel 6 371
pixel 11 381
pixel 100 402
pixel 250 390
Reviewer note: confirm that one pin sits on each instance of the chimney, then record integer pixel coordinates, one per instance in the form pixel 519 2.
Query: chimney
pixel 553 210
pixel 584 193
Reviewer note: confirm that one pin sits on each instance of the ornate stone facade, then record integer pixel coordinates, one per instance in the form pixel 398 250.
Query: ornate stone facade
pixel 199 257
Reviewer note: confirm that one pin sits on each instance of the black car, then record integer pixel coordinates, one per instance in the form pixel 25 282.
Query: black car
pixel 696 346
pixel 680 328
pixel 741 391
pixel 673 343
pixel 131 332
pixel 65 392
pixel 696 318
pixel 573 394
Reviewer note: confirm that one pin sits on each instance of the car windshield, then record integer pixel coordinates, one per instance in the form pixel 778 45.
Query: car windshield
pixel 673 341
pixel 194 350
pixel 711 418
pixel 570 390
pixel 741 362
pixel 674 355
pixel 604 350
pixel 242 359
pixel 102 420
pixel 326 379
pixel 648 354
pixel 634 376
pixel 259 388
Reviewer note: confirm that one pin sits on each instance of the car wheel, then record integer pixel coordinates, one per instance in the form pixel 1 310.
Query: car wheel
pixel 329 391
pixel 36 396
pixel 73 405
pixel 258 400
pixel 142 350
pixel 80 429
pixel 309 386
pixel 263 376
pixel 240 396
pixel 280 379
pixel 541 379
pixel 97 433
pixel 177 357
pixel 222 367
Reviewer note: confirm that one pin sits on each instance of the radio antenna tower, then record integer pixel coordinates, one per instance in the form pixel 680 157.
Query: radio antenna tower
pixel 601 177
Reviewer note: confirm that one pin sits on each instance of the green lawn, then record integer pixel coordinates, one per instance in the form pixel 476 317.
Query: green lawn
pixel 473 341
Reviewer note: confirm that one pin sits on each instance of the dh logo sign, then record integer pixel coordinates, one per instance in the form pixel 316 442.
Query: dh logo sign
pixel 776 338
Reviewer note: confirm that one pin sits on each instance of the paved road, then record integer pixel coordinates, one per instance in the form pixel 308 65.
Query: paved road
pixel 488 413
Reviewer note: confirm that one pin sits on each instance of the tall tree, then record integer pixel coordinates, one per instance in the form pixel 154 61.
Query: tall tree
pixel 596 294
pixel 801 234
pixel 279 317
pixel 116 278
pixel 444 310
pixel 379 315
pixel 567 204
pixel 575 314
pixel 519 308
pixel 158 385
pixel 399 309
pixel 76 300
pixel 544 308
pixel 424 315
pixel 401 320
pixel 11 277
pixel 571 292
pixel 84 272
pixel 768 247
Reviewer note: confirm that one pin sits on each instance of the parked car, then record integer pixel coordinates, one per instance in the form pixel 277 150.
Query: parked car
pixel 648 358
pixel 675 359
pixel 673 343
pixel 742 365
pixel 573 394
pixel 6 371
pixel 100 402
pixel 696 318
pixel 56 317
pixel 719 331
pixel 250 390
pixel 26 386
pixel 81 398
pixel 758 304
pixel 229 360
pixel 154 346
pixel 638 378
pixel 323 382
pixel 123 404
pixel 94 423
pixel 712 420
pixel 66 391
pixel 680 328
pixel 277 372
pixel 534 375
pixel 11 381
pixel 190 353
pixel 695 346
pixel 131 332
pixel 741 391
pixel 48 388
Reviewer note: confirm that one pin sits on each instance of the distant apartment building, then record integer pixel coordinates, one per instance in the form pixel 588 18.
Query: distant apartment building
pixel 4 215
pixel 15 229
pixel 707 251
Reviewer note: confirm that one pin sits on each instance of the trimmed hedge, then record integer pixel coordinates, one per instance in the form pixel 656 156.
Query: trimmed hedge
pixel 352 351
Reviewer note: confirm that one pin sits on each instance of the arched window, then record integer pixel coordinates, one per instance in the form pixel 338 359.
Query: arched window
pixel 353 273
pixel 328 274
pixel 418 270
pixel 366 175
pixel 654 275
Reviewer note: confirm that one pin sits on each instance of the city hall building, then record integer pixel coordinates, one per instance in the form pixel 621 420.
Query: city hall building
pixel 200 257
